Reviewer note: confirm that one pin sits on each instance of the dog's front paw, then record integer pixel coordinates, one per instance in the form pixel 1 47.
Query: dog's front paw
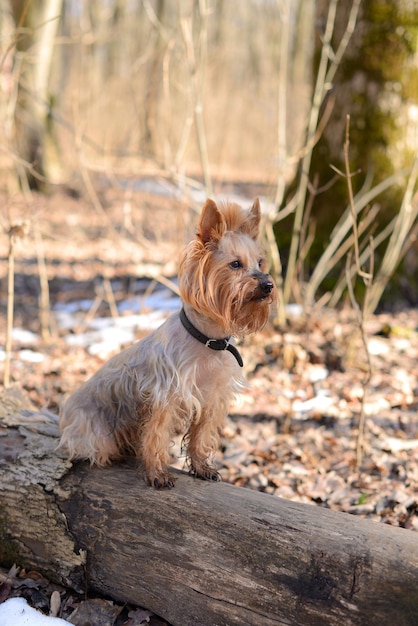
pixel 163 480
pixel 206 472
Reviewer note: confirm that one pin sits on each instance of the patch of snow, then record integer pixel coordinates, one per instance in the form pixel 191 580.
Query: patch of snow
pixel 73 307
pixel 66 320
pixel 104 341
pixel 402 344
pixel 317 373
pixel 102 336
pixel 378 347
pixel 17 612
pixel 395 444
pixel 30 356
pixel 102 349
pixel 318 404
pixel 375 405
pixel 25 355
pixel 294 310
pixel 146 321
pixel 107 334
pixel 24 336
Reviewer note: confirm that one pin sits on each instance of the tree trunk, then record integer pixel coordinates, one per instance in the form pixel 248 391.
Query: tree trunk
pixel 37 25
pixel 376 84
pixel 201 554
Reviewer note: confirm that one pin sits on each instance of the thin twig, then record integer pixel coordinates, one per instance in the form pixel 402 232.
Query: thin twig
pixel 10 311
pixel 110 297
pixel 365 385
pixel 15 232
pixel 44 301
pixel 367 278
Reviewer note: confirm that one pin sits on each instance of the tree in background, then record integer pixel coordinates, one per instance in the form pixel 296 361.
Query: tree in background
pixel 37 23
pixel 354 199
pixel 376 84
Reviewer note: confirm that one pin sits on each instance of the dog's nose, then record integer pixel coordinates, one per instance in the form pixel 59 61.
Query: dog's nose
pixel 266 286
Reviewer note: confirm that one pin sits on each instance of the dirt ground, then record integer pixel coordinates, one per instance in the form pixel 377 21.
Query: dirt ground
pixel 294 432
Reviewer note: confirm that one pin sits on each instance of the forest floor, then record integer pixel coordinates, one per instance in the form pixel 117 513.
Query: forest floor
pixel 293 433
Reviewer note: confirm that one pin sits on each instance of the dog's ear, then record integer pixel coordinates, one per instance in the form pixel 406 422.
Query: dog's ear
pixel 211 222
pixel 252 224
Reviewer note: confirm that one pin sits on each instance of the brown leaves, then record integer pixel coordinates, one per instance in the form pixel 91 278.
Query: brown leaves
pixel 293 435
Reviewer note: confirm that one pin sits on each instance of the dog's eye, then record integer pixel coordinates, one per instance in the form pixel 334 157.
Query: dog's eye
pixel 236 265
pixel 260 264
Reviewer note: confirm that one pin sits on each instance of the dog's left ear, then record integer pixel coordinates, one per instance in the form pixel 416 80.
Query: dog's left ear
pixel 211 222
pixel 252 224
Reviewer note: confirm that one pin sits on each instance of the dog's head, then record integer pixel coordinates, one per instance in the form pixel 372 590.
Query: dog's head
pixel 223 271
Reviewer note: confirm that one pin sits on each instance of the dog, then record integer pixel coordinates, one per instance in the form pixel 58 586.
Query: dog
pixel 182 377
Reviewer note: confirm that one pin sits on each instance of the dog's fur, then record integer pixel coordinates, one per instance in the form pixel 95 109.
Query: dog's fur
pixel 169 383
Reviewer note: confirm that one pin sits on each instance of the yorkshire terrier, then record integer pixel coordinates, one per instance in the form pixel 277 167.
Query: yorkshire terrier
pixel 181 378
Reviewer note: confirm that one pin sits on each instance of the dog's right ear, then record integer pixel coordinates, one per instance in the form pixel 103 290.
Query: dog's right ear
pixel 211 222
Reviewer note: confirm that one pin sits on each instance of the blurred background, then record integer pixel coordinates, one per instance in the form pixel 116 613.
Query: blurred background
pixel 189 98
pixel 179 85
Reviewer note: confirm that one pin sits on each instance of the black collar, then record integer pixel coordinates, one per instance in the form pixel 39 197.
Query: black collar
pixel 213 344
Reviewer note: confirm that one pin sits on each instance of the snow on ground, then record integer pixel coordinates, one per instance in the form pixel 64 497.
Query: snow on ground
pixel 105 335
pixel 17 612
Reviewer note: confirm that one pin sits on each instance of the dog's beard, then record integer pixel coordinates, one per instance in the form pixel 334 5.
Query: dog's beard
pixel 250 313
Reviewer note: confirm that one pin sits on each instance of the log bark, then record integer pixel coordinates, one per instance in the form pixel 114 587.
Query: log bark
pixel 201 554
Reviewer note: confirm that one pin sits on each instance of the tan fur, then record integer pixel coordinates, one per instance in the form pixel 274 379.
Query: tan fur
pixel 169 383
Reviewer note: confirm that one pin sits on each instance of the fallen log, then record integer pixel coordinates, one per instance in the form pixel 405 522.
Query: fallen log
pixel 201 554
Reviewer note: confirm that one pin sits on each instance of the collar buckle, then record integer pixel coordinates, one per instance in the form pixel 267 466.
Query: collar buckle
pixel 217 344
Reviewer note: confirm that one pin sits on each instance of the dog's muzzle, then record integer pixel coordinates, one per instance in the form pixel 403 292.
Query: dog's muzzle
pixel 265 286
